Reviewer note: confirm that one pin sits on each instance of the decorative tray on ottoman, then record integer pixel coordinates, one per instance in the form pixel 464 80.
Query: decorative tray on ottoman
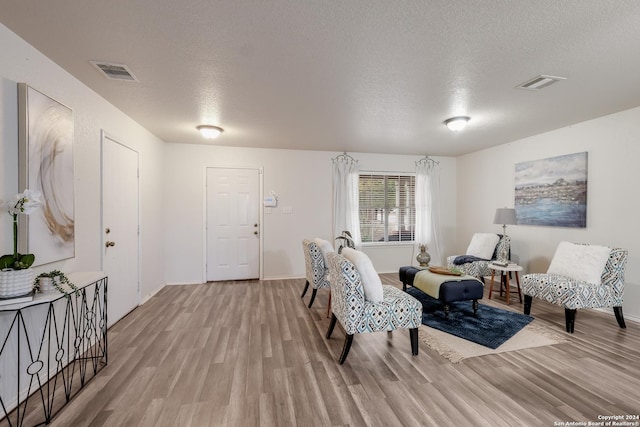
pixel 444 270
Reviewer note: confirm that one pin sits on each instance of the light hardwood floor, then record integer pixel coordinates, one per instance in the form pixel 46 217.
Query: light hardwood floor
pixel 251 353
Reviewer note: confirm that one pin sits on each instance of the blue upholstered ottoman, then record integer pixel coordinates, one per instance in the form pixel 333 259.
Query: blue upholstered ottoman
pixel 451 288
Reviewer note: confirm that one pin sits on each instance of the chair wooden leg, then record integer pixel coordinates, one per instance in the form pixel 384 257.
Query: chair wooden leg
pixel 345 349
pixel 570 319
pixel 329 305
pixel 313 297
pixel 619 317
pixel 306 286
pixel 413 333
pixel 332 325
pixel 527 304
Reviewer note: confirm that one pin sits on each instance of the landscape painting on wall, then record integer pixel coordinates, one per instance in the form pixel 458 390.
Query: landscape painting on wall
pixel 552 191
pixel 46 164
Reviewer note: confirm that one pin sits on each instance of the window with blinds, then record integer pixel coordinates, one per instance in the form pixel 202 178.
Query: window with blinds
pixel 387 207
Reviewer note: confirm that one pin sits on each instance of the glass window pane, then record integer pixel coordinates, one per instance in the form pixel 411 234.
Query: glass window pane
pixel 387 207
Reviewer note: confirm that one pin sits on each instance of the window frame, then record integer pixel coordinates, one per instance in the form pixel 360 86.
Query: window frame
pixel 387 210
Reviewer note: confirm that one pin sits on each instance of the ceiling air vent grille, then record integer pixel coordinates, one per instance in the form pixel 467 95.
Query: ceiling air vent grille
pixel 114 71
pixel 539 82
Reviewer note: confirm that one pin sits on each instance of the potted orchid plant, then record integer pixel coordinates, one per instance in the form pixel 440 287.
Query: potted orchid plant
pixel 15 272
pixel 24 203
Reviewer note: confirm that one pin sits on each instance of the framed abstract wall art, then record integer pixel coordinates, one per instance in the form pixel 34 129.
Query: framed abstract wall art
pixel 552 191
pixel 45 134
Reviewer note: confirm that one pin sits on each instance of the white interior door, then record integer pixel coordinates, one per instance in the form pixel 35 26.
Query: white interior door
pixel 233 228
pixel 120 237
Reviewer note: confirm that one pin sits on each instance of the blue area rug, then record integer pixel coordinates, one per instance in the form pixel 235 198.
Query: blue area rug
pixel 490 328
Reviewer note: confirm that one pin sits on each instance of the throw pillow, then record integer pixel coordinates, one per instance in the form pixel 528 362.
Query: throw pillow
pixel 371 282
pixel 325 248
pixel 483 245
pixel 580 262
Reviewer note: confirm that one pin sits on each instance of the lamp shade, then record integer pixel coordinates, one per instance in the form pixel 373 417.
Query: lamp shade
pixel 505 216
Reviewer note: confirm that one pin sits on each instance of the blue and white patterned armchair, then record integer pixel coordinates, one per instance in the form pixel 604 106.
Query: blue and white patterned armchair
pixel 317 273
pixel 573 294
pixel 480 268
pixel 397 310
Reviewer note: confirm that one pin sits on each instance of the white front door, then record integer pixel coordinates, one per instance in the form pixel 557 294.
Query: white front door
pixel 233 228
pixel 120 248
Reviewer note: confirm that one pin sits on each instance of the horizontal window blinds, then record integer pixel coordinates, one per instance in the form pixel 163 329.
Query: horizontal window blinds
pixel 387 207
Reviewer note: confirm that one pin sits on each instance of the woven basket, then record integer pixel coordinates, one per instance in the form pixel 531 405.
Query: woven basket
pixel 14 283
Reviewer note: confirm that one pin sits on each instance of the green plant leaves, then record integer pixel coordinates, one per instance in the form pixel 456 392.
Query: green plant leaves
pixel 17 262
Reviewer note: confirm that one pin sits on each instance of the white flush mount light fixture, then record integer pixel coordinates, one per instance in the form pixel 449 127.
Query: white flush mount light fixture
pixel 457 123
pixel 209 131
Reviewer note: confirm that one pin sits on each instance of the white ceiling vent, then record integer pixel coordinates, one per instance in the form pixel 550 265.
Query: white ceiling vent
pixel 114 71
pixel 539 82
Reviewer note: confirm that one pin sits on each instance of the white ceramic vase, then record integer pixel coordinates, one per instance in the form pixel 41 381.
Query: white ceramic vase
pixel 45 284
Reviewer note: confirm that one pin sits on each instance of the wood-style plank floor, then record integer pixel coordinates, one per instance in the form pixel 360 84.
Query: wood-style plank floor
pixel 252 354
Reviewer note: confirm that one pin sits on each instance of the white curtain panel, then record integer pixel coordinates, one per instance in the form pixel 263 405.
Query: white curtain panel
pixel 428 209
pixel 345 199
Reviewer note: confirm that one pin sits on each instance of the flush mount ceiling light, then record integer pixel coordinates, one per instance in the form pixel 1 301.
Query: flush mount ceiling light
pixel 209 131
pixel 457 123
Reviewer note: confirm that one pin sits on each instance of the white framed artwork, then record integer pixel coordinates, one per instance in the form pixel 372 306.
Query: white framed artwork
pixel 45 151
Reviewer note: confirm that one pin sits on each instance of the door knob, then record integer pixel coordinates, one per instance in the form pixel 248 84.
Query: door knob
pixel 110 243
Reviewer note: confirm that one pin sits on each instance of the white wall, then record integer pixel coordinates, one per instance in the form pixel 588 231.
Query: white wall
pixel 302 181
pixel 19 62
pixel 486 182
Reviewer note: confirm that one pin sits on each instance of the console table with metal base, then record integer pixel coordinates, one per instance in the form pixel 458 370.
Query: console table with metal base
pixel 50 347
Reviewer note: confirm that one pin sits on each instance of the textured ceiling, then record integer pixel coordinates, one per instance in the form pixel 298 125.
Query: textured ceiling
pixel 353 75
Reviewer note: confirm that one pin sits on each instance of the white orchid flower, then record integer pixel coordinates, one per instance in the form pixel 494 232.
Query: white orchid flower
pixel 32 201
pixel 23 203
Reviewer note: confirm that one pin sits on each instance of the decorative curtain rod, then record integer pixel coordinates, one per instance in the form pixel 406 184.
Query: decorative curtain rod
pixel 345 158
pixel 427 161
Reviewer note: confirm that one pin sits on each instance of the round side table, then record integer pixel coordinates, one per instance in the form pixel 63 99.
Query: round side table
pixel 504 271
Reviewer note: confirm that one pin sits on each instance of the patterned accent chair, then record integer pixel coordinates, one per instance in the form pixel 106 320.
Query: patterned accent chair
pixel 317 273
pixel 480 268
pixel 398 310
pixel 573 294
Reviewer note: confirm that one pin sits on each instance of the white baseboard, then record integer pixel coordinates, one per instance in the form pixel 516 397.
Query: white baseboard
pixel 148 297
pixel 182 283
pixel 283 278
pixel 610 312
